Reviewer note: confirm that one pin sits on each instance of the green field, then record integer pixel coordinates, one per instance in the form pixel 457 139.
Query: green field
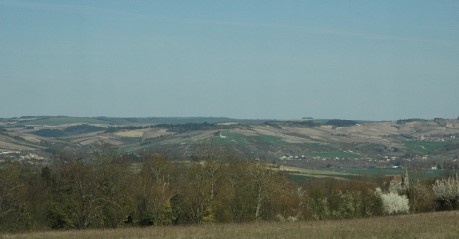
pixel 429 147
pixel 426 225
pixel 268 139
pixel 229 137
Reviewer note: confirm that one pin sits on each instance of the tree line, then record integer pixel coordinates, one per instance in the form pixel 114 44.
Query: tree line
pixel 103 190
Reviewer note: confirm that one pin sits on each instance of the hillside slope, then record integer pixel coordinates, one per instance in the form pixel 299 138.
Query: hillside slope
pixel 313 143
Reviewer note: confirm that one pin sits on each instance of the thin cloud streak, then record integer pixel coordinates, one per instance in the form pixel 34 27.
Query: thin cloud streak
pixel 196 21
pixel 325 31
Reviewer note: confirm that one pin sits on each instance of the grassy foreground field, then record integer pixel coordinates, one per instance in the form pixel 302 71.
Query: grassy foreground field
pixel 428 225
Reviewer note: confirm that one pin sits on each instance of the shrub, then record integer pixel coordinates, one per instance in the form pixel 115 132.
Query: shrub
pixel 319 206
pixel 447 193
pixel 58 217
pixel 345 204
pixel 372 204
pixel 421 196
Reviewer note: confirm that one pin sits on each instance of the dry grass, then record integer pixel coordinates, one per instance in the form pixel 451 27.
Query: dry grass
pixel 428 225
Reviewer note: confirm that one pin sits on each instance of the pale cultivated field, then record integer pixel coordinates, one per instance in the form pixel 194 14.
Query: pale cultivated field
pixel 98 139
pixel 131 133
pixel 143 133
pixel 311 172
pixel 153 133
pixel 13 146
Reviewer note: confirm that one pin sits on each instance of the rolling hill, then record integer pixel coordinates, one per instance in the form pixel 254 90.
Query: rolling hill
pixel 302 143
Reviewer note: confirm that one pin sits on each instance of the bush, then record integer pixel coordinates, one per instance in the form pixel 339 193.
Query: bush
pixel 372 204
pixel 394 203
pixel 421 196
pixel 345 204
pixel 319 206
pixel 447 193
pixel 58 217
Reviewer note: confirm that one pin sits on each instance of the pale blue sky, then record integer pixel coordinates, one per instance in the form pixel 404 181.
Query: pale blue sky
pixel 374 60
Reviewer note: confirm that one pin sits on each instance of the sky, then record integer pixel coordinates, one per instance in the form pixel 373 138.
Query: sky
pixel 248 59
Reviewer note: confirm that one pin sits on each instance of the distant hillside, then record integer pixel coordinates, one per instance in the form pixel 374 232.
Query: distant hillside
pixel 304 143
pixel 61 120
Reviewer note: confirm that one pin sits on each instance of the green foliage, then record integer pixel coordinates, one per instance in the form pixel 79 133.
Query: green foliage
pixel 166 214
pixel 320 206
pixel 13 213
pixel 345 204
pixel 371 204
pixel 58 218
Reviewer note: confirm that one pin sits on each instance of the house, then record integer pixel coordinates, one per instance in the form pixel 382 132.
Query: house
pixel 396 183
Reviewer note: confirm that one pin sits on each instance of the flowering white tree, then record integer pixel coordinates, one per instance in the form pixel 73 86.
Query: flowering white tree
pixel 447 192
pixel 393 203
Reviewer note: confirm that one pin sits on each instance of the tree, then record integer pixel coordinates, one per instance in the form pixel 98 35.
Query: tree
pixel 158 188
pixel 393 203
pixel 421 197
pixel 242 196
pixel 266 186
pixel 447 193
pixel 266 191
pixel 14 213
pixel 202 191
pixel 91 193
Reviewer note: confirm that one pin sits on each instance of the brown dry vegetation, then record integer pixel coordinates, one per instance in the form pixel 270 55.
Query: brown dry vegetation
pixel 427 225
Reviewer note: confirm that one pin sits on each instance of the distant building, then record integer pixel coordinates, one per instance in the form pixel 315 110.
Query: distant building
pixel 396 183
